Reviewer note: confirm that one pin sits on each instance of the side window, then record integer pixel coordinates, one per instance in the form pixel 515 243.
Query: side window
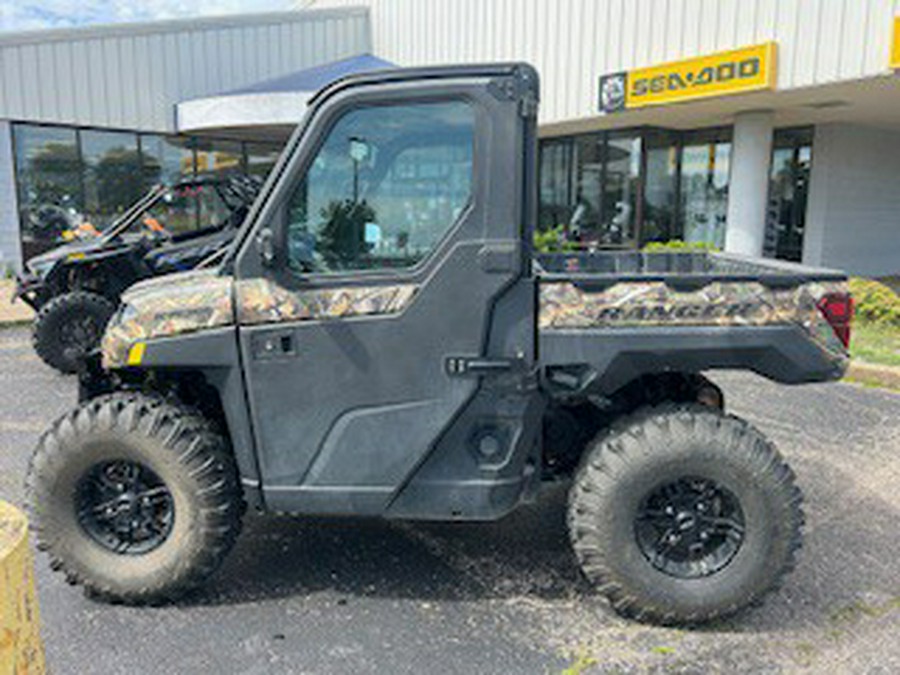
pixel 385 187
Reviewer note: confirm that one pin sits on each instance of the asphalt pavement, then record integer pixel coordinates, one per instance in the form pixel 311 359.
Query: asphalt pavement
pixel 352 596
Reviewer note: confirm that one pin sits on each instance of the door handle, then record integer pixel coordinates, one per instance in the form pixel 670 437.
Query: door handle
pixel 465 365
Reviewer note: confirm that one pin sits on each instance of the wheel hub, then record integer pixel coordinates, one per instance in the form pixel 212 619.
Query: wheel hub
pixel 689 528
pixel 125 507
pixel 80 332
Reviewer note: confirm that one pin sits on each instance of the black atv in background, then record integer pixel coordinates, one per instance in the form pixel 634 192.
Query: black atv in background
pixel 75 288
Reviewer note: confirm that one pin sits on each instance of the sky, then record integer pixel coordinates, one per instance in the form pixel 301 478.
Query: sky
pixel 20 15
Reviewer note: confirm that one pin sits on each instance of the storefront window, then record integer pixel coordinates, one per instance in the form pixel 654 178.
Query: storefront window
pixel 588 153
pixel 555 184
pixel 788 188
pixel 219 157
pixel 607 173
pixel 166 159
pixel 705 166
pixel 67 175
pixel 622 172
pixel 48 172
pixel 110 161
pixel 627 188
pixel 261 157
pixel 660 214
pixel 590 185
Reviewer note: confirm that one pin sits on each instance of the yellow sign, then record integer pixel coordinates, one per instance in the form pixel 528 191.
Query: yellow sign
pixel 895 48
pixel 733 72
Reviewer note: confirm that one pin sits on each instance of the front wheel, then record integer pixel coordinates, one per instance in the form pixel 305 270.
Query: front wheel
pixel 682 514
pixel 69 327
pixel 135 498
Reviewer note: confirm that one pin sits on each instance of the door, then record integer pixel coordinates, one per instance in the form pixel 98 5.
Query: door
pixel 397 224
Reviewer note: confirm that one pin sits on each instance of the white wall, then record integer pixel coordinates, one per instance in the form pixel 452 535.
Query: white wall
pixel 573 42
pixel 131 75
pixel 853 215
pixel 10 250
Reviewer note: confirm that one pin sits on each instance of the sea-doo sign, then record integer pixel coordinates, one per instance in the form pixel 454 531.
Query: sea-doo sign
pixel 732 72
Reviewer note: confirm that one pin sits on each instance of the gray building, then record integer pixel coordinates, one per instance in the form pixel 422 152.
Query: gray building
pixel 88 116
pixel 769 127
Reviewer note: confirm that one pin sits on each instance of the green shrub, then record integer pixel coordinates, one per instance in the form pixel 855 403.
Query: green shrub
pixel 678 245
pixel 875 302
pixel 553 240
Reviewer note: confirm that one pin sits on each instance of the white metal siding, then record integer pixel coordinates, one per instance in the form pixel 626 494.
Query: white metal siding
pixel 573 42
pixel 130 76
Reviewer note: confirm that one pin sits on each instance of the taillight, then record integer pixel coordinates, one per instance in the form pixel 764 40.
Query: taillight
pixel 837 308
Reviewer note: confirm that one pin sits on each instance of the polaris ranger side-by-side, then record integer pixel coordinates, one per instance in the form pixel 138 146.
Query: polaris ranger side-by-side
pixel 75 288
pixel 380 340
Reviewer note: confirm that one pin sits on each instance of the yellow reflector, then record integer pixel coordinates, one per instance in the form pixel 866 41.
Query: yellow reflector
pixel 76 256
pixel 136 353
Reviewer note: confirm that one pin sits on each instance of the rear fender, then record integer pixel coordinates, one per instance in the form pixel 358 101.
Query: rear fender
pixel 603 360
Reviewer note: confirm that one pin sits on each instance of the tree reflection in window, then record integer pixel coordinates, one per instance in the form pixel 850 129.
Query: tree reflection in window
pixel 384 188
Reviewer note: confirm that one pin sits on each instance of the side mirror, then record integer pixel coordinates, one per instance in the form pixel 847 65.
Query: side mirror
pixel 265 245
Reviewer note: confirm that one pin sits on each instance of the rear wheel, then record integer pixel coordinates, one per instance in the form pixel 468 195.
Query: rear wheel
pixel 681 514
pixel 134 498
pixel 69 327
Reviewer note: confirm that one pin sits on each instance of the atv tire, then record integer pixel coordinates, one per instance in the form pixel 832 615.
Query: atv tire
pixel 134 498
pixel 69 327
pixel 681 514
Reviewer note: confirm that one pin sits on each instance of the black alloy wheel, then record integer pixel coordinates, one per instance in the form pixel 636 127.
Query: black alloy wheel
pixel 689 528
pixel 125 507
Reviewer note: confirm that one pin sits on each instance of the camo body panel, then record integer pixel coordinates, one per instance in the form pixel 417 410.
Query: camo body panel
pixel 185 303
pixel 165 306
pixel 261 301
pixel 564 306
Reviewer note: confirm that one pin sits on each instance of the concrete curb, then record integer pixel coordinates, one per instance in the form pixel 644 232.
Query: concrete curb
pixel 871 373
pixel 21 649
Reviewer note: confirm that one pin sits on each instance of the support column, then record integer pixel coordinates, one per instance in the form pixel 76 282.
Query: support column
pixel 748 189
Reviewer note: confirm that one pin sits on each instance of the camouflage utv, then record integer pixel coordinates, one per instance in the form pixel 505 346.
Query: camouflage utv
pixel 381 341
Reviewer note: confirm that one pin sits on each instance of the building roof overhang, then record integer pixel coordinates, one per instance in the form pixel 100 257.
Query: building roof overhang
pixel 271 108
pixel 870 101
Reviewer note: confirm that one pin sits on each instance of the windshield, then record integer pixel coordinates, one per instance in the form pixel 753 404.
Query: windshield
pixel 174 211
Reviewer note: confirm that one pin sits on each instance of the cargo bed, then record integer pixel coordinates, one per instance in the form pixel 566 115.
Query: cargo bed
pixel 625 313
